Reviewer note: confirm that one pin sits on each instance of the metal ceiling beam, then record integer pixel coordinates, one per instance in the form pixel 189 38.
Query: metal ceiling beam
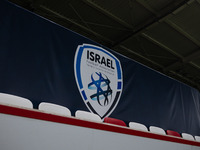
pixel 198 1
pixel 150 24
pixel 180 30
pixel 182 78
pixel 182 60
pixel 108 14
pixel 75 23
pixel 185 60
pixel 193 56
pixel 190 57
pixel 141 56
pixel 146 6
pixel 169 73
pixel 161 45
pixel 195 65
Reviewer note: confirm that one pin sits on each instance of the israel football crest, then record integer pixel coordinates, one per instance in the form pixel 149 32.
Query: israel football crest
pixel 98 76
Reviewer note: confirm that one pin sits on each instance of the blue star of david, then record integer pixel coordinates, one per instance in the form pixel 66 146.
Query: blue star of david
pixel 100 93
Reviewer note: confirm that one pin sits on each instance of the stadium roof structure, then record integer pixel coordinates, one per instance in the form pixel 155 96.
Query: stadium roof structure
pixel 161 34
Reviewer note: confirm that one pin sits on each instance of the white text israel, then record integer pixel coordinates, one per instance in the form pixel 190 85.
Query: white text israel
pixel 100 59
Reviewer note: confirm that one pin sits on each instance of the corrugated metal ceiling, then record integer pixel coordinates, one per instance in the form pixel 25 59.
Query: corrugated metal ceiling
pixel 163 35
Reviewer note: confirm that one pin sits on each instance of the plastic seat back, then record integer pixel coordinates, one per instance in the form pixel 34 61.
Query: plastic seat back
pixel 54 108
pixel 157 130
pixel 197 138
pixel 173 133
pixel 187 136
pixel 114 121
pixel 9 99
pixel 85 115
pixel 137 126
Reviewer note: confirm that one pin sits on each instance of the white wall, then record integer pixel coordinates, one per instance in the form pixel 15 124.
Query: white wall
pixel 19 133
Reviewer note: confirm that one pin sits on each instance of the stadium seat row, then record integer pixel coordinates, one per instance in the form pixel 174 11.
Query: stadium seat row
pixel 84 115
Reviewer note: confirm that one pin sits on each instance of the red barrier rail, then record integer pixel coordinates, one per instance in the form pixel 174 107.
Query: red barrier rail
pixel 36 114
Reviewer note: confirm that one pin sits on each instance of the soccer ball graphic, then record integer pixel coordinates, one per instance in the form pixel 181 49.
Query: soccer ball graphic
pixel 100 84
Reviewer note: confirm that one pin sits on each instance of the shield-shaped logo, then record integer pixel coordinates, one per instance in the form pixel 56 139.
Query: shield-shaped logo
pixel 98 76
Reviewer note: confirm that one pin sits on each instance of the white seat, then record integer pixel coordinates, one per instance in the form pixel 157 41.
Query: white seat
pixel 87 116
pixel 9 99
pixel 55 109
pixel 157 130
pixel 187 136
pixel 197 138
pixel 137 126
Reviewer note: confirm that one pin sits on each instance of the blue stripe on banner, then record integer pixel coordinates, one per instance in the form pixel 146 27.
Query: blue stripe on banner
pixel 118 70
pixel 119 85
pixel 78 67
pixel 84 95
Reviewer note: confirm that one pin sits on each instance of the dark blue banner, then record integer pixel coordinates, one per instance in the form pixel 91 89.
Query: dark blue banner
pixel 45 62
